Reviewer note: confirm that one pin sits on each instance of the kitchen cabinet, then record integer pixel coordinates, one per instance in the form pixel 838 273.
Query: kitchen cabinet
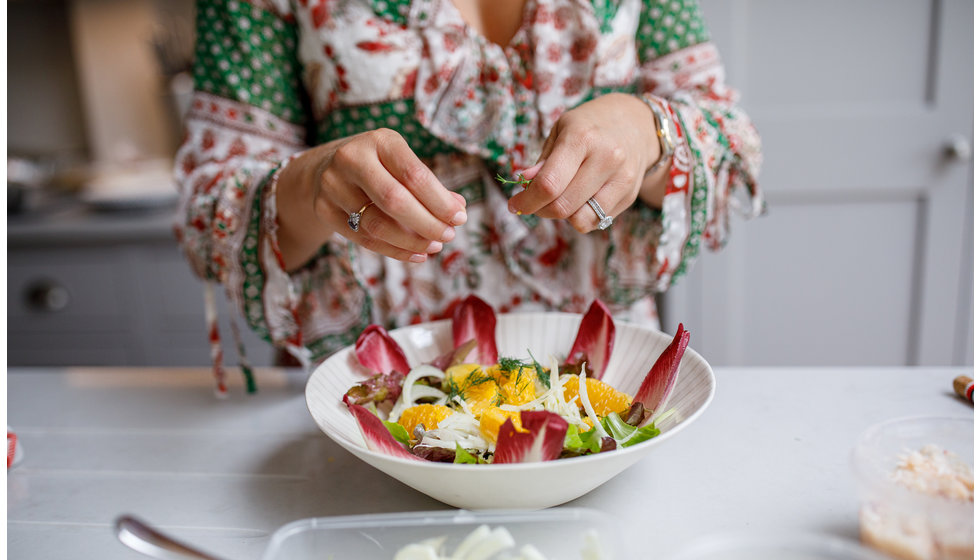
pixel 87 288
pixel 866 254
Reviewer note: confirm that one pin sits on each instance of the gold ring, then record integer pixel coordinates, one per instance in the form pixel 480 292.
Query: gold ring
pixel 354 219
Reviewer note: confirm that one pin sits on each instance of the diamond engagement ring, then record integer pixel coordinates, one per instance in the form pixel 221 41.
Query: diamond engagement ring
pixel 354 220
pixel 604 220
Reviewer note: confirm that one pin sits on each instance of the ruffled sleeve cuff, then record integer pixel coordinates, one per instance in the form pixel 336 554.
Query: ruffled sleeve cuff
pixel 271 296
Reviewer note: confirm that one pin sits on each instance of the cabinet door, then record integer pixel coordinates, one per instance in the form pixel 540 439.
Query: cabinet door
pixel 70 307
pixel 866 115
pixel 114 305
pixel 173 301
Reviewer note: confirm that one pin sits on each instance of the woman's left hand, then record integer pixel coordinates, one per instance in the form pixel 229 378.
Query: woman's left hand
pixel 600 149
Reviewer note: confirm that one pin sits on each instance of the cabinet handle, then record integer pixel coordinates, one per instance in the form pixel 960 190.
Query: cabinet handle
pixel 959 148
pixel 49 296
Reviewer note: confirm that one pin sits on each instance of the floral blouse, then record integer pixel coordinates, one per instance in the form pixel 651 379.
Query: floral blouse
pixel 275 76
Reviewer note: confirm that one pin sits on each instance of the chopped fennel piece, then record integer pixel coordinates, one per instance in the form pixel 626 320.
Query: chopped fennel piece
pixel 593 547
pixel 449 438
pixel 462 404
pixel 427 392
pixel 484 543
pixel 661 419
pixel 528 552
pixel 490 543
pixel 418 551
pixel 459 427
pixel 423 550
pixel 583 393
pixel 410 393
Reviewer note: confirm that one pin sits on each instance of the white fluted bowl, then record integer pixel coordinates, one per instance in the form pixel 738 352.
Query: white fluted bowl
pixel 492 486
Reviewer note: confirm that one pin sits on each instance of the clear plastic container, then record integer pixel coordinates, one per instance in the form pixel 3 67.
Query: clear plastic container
pixel 559 534
pixel 916 524
pixel 768 546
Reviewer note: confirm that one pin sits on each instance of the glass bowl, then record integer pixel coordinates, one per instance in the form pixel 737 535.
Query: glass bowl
pixel 914 503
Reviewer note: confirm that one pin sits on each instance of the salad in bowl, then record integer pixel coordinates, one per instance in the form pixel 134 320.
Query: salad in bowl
pixel 516 411
pixel 473 405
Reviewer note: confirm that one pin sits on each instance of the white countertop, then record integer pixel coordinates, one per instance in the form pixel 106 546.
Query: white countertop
pixel 770 454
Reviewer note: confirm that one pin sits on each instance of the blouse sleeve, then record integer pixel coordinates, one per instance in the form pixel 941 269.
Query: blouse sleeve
pixel 246 119
pixel 718 149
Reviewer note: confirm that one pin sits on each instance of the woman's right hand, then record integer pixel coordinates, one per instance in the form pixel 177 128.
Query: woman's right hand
pixel 409 213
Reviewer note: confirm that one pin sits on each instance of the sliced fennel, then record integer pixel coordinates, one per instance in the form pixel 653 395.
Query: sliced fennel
pixel 484 543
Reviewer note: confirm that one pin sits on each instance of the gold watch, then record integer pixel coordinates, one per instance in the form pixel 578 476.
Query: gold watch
pixel 664 133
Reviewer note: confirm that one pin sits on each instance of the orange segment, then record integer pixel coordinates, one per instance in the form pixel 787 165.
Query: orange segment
pixel 481 396
pixel 519 387
pixel 604 398
pixel 459 374
pixel 493 418
pixel 429 415
pixel 496 373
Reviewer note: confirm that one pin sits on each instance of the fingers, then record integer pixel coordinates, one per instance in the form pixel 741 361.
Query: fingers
pixel 379 233
pixel 586 154
pixel 407 188
pixel 411 213
pixel 592 179
pixel 548 184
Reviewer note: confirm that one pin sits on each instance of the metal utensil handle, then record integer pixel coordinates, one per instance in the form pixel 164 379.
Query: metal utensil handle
pixel 140 537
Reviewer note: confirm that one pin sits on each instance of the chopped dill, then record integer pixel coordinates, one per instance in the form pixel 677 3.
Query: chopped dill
pixel 477 377
pixel 543 376
pixel 511 364
pixel 452 388
pixel 526 381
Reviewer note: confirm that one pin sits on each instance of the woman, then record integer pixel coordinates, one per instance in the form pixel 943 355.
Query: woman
pixel 358 161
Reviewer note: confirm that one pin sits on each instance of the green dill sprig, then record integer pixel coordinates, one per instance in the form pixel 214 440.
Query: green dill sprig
pixel 524 381
pixel 544 376
pixel 511 364
pixel 451 388
pixel 521 180
pixel 477 377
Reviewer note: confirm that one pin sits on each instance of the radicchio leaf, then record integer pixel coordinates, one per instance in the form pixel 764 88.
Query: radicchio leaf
pixel 434 454
pixel 594 342
pixel 455 356
pixel 542 439
pixel 660 380
pixel 379 389
pixel 378 352
pixel 474 319
pixel 376 435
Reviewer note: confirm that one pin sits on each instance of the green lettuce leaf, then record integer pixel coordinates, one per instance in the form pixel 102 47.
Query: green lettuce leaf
pixel 464 456
pixel 626 435
pixel 584 442
pixel 398 432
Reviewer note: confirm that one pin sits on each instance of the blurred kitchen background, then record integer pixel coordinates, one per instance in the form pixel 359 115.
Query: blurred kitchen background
pixel 865 258
pixel 96 91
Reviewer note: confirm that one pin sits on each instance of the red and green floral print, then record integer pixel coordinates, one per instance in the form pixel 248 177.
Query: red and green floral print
pixel 272 76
